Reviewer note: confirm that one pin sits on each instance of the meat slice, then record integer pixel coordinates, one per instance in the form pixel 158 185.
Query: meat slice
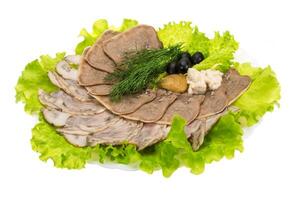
pixel 82 125
pixel 97 58
pixel 88 75
pixel 72 131
pixel 154 110
pixel 77 140
pixel 73 59
pixel 65 70
pixel 74 124
pixel 235 85
pixel 191 128
pixel 60 100
pixel 128 104
pixel 135 39
pixel 200 127
pixel 150 134
pixel 70 86
pixel 214 102
pixel 119 133
pixel 99 89
pixel 56 117
pixel 187 106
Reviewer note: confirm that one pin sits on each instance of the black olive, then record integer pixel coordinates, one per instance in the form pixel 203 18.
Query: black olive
pixel 197 58
pixel 183 65
pixel 172 68
pixel 186 55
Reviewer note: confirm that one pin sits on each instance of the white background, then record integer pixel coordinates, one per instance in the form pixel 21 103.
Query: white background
pixel 268 31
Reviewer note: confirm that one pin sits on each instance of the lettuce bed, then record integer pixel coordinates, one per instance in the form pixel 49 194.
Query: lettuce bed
pixel 222 141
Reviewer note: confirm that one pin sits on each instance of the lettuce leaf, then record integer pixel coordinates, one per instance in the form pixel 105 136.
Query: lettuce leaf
pixel 183 32
pixel 99 27
pixel 51 145
pixel 127 24
pixel 220 53
pixel 262 95
pixel 35 77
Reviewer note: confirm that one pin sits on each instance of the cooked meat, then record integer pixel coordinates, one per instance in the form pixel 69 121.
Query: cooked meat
pixel 235 85
pixel 119 133
pixel 83 121
pixel 88 75
pixel 73 59
pixel 72 131
pixel 197 135
pixel 185 105
pixel 214 102
pixel 56 117
pixel 129 104
pixel 99 89
pixel 89 124
pixel 135 39
pixel 60 100
pixel 97 58
pixel 69 86
pixel 154 110
pixel 77 140
pixel 192 127
pixel 150 134
pixel 65 70
pixel 200 127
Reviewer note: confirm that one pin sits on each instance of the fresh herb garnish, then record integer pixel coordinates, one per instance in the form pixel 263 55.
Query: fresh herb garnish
pixel 140 69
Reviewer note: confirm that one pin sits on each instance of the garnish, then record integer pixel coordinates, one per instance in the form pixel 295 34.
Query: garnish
pixel 141 69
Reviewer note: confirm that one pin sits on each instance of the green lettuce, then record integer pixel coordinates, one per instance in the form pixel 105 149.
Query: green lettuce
pixel 51 145
pixel 35 77
pixel 220 53
pixel 262 95
pixel 185 34
pixel 222 141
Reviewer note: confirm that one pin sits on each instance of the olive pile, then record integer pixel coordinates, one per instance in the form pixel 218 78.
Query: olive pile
pixel 184 63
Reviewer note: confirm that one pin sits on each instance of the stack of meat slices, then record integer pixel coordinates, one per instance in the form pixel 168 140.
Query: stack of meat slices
pixel 85 116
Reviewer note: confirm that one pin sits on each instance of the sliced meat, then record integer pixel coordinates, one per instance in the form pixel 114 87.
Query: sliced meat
pixel 214 102
pixel 197 134
pixel 88 75
pixel 200 127
pixel 77 140
pixel 97 58
pixel 56 117
pixel 60 100
pixel 154 110
pixel 99 89
pixel 128 104
pixel 119 133
pixel 135 39
pixel 70 86
pixel 83 125
pixel 65 70
pixel 150 134
pixel 187 106
pixel 235 85
pixel 191 128
pixel 73 59
pixel 72 131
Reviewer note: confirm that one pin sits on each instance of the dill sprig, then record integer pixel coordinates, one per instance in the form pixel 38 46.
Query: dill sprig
pixel 140 69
